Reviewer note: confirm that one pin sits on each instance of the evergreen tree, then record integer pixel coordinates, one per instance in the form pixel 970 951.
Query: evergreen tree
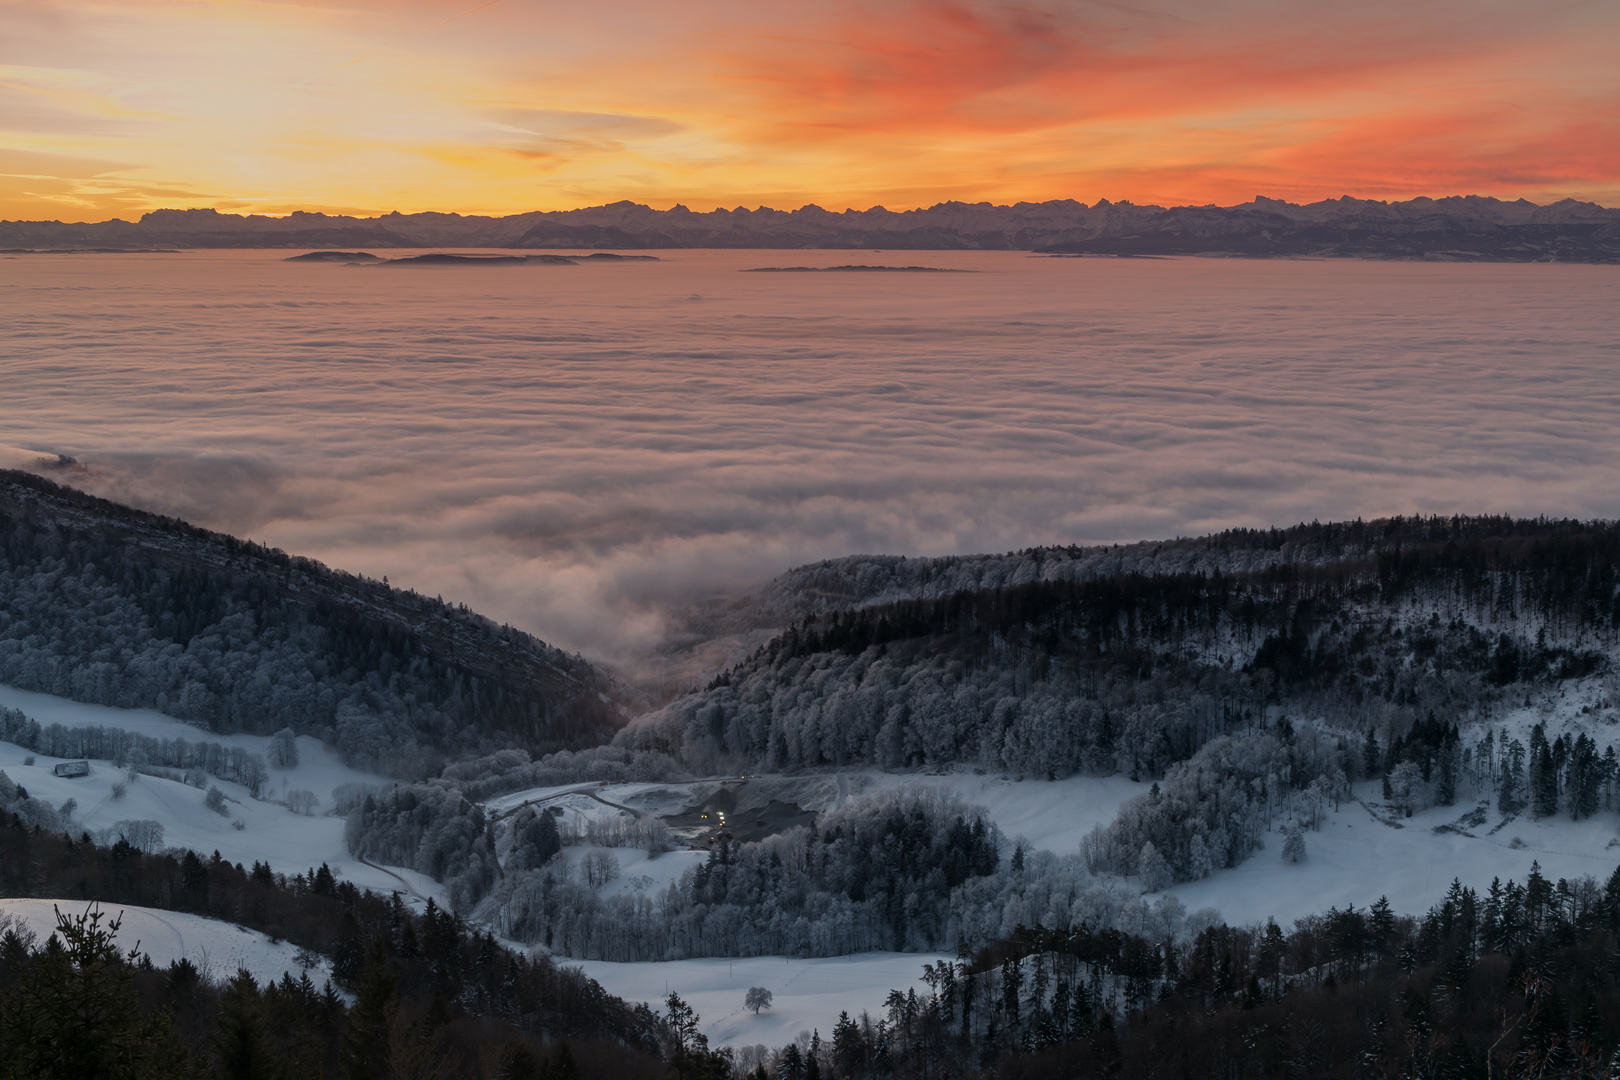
pixel 518 1062
pixel 560 1065
pixel 1448 763
pixel 240 1037
pixel 1372 757
pixel 1510 791
pixel 368 1039
pixel 73 1013
pixel 1543 776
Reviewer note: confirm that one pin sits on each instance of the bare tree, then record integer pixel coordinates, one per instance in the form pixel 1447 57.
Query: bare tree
pixel 599 867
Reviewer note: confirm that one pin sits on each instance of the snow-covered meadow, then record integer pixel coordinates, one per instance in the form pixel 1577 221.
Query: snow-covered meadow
pixel 1357 856
pixel 217 949
pixel 807 995
pixel 270 832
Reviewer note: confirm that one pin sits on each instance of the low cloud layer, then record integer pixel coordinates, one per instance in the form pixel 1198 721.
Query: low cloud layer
pixel 578 449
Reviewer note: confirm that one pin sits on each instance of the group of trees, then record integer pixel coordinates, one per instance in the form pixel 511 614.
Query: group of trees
pixel 1134 671
pixel 1564 774
pixel 910 871
pixel 74 1006
pixel 430 829
pixel 193 760
pixel 429 989
pixel 1517 983
pixel 795 894
pixel 1213 810
pixel 104 604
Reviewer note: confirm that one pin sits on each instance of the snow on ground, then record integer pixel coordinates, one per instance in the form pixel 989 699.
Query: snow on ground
pixel 601 800
pixel 1053 815
pixel 1356 858
pixel 638 872
pixel 216 948
pixel 290 843
pixel 1049 815
pixel 807 994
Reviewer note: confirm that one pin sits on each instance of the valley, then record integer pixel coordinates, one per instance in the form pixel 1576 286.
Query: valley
pixel 934 758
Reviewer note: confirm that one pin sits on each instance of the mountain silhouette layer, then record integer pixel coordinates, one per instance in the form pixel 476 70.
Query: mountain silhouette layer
pixel 1456 228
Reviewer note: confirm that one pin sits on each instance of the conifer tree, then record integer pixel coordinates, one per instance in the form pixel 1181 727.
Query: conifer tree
pixel 1372 758
pixel 240 1037
pixel 368 1038
pixel 1543 776
pixel 74 1015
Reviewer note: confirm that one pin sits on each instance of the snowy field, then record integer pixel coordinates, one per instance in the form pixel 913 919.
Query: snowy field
pixel 1356 858
pixel 289 842
pixel 807 994
pixel 637 871
pixel 218 949
pixel 1049 815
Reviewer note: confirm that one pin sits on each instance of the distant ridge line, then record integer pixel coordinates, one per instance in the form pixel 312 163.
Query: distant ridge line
pixel 1455 228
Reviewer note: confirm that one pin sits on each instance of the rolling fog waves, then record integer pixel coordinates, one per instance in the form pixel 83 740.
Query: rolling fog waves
pixel 574 449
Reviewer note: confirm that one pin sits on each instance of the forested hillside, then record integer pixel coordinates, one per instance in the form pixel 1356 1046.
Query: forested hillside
pixel 431 996
pixel 1048 663
pixel 1516 982
pixel 109 605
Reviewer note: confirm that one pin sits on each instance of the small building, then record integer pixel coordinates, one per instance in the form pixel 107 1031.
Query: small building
pixel 72 768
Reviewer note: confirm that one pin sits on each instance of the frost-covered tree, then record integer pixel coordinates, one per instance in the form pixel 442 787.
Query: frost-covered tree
pixel 599 868
pixel 1152 868
pixel 1293 849
pixel 1408 792
pixel 282 753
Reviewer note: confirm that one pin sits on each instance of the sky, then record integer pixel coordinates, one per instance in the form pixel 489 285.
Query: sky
pixel 115 107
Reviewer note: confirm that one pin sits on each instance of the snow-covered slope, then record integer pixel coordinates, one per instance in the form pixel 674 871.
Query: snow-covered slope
pixel 289 842
pixel 1050 815
pixel 217 949
pixel 807 994
pixel 1359 856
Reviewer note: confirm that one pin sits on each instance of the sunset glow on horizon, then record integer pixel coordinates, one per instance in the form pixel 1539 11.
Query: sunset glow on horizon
pixel 111 108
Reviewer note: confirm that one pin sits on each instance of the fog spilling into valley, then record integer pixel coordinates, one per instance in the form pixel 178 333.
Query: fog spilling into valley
pixel 579 450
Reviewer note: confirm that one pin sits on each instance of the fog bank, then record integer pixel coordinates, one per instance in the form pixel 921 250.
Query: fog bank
pixel 577 449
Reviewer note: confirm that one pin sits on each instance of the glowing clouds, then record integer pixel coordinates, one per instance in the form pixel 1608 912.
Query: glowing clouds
pixel 117 108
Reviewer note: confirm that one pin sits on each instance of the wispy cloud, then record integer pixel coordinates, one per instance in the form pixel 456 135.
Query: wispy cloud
pixel 512 106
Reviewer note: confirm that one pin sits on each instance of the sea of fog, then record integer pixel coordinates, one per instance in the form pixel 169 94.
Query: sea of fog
pixel 575 449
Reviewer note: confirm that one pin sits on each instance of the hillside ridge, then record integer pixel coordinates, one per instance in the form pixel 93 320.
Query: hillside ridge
pixel 112 605
pixel 1454 228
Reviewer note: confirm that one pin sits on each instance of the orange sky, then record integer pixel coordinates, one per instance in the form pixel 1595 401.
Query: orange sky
pixel 116 107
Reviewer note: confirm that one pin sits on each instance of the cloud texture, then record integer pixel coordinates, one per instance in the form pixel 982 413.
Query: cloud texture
pixel 117 106
pixel 576 449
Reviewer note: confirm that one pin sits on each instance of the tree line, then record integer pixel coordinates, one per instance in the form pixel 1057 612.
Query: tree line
pixel 1516 983
pixel 434 960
